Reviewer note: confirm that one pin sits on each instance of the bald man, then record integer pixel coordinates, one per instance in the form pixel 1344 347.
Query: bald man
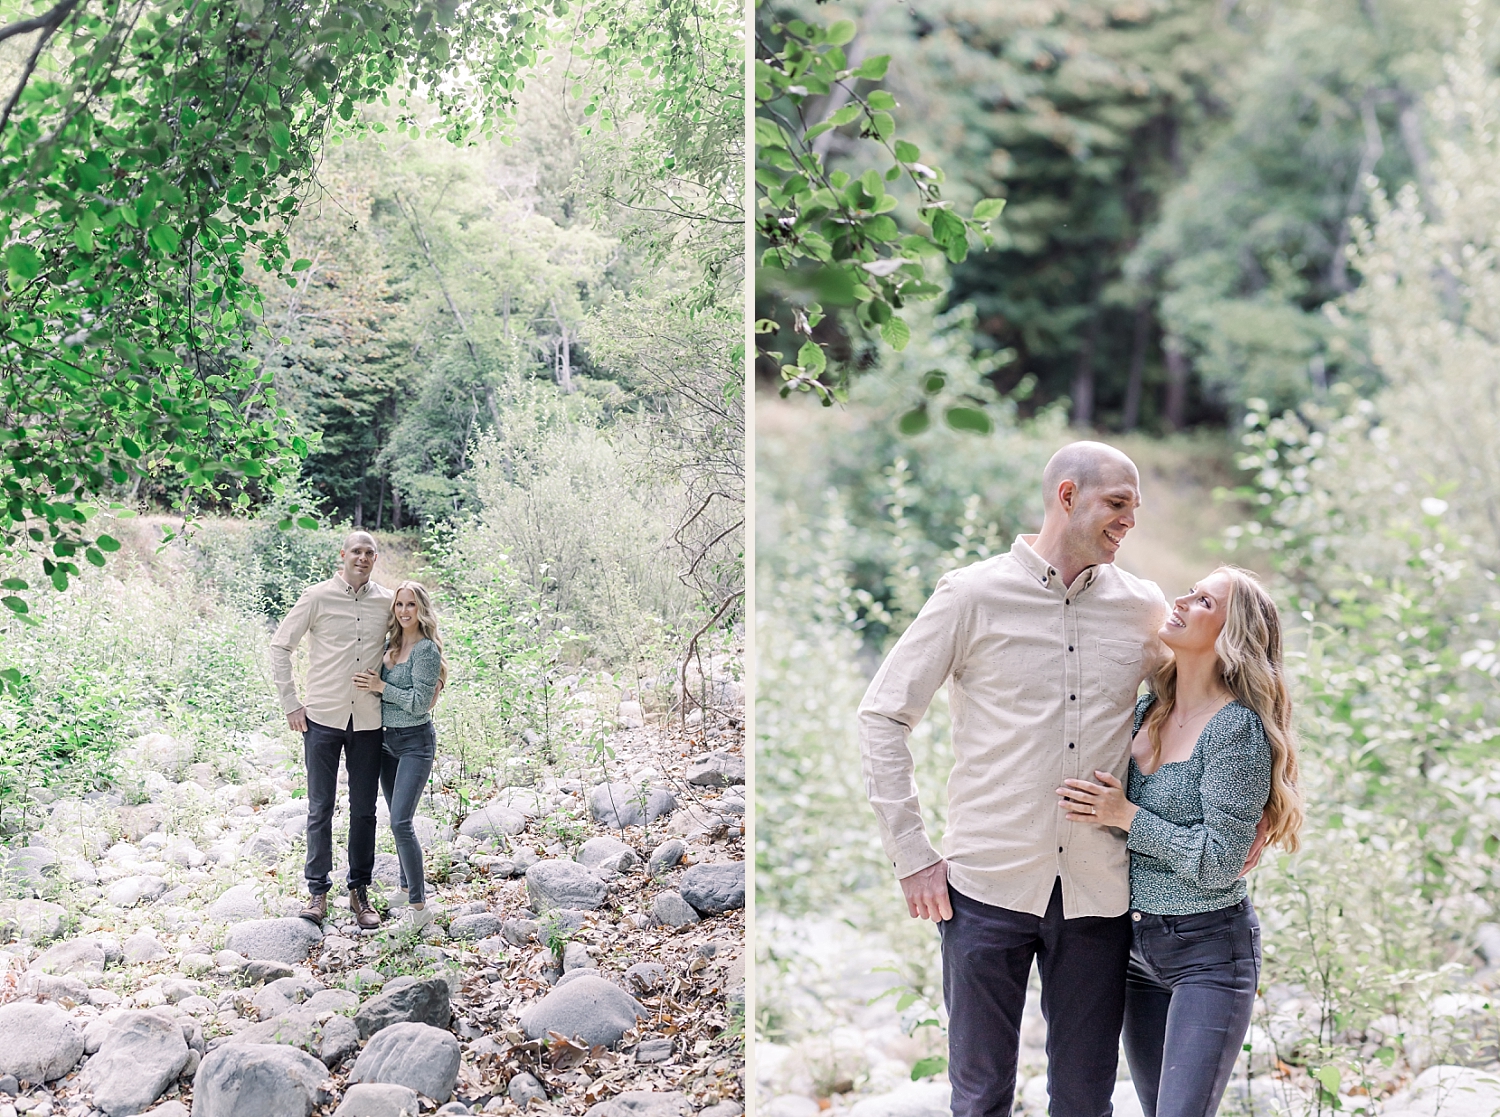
pixel 344 620
pixel 1042 650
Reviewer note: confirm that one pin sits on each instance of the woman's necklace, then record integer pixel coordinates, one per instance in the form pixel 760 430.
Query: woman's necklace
pixel 1183 723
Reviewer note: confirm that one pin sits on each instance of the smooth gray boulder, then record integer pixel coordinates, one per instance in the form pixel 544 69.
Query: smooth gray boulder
pixel 277 940
pixel 477 925
pixel 422 1002
pixel 29 867
pixel 493 820
pixel 665 856
pixel 339 1040
pixel 418 1056
pixel 140 1056
pixel 723 1109
pixel 716 769
pixel 260 969
pixel 36 920
pixel 523 1087
pixel 643 1103
pixel 519 932
pixel 671 910
pixel 237 904
pixel 144 947
pixel 130 891
pixel 387 870
pixel 576 956
pixel 256 1080
pixel 645 977
pixel 606 851
pixel 377 1099
pixel 714 889
pixel 619 805
pixel 41 1041
pixel 563 884
pixel 588 1008
pixel 84 958
pixel 654 1050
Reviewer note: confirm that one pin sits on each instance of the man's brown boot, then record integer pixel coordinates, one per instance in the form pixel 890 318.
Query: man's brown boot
pixel 366 916
pixel 317 909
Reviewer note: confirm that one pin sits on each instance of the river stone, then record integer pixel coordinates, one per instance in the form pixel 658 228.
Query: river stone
pixel 519 932
pixel 277 940
pixel 419 1056
pixel 30 866
pixel 645 977
pixel 588 1007
pixel 523 1087
pixel 671 910
pixel 642 1103
pixel 493 820
pixel 714 889
pixel 377 1099
pixel 130 891
pixel 84 957
pixel 604 850
pixel 255 1080
pixel 479 925
pixel 138 1059
pixel 716 769
pixel 665 856
pixel 340 1039
pixel 423 1002
pixel 654 1050
pixel 723 1109
pixel 295 1027
pixel 332 1000
pixel 618 805
pixel 144 947
pixel 37 920
pixel 576 956
pixel 261 969
pixel 387 870
pixel 41 1041
pixel 1451 1091
pixel 563 884
pixel 237 904
pixel 916 1099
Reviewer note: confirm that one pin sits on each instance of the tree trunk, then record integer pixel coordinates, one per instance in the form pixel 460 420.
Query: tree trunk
pixel 380 505
pixel 564 361
pixel 359 506
pixel 395 508
pixel 1136 382
pixel 1177 383
pixel 1083 375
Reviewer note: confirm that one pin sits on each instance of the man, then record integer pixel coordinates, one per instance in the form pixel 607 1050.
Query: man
pixel 344 620
pixel 1043 650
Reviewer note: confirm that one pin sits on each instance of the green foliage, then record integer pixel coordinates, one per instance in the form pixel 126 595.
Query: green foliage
pixel 826 236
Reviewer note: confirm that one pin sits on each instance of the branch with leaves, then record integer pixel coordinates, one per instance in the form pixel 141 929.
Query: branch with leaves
pixel 828 238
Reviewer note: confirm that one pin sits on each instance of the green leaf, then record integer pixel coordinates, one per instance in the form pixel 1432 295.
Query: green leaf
pixel 15 584
pixel 15 604
pixel 130 447
pixel 1386 1055
pixel 933 382
pixel 812 359
pixel 896 333
pixel 1329 1077
pixel 926 1068
pixel 165 239
pixel 302 265
pixel 840 32
pixel 93 556
pixel 914 421
pixel 107 543
pixel 989 209
pixel 883 124
pixel 969 419
pixel 907 152
pixel 23 261
pixel 906 1000
pixel 873 69
pixel 881 99
pixel 845 115
pixel 280 135
pixel 307 522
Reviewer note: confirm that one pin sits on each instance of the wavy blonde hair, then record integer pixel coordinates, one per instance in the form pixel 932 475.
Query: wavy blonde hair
pixel 1249 653
pixel 426 624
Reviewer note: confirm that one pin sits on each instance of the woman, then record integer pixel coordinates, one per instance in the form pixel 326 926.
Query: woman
pixel 411 672
pixel 1212 779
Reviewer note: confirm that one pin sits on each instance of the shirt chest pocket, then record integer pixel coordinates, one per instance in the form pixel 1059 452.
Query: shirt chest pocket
pixel 1118 668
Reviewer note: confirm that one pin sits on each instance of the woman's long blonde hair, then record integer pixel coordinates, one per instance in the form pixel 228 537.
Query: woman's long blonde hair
pixel 426 624
pixel 1249 651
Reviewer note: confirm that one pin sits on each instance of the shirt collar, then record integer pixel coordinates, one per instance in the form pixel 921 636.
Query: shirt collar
pixel 1040 569
pixel 357 594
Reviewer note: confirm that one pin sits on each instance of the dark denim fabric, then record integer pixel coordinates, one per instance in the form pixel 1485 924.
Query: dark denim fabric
pixel 987 956
pixel 406 762
pixel 321 745
pixel 1188 997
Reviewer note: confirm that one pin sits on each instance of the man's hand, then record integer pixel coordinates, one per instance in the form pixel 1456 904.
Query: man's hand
pixel 297 720
pixel 1257 848
pixel 927 893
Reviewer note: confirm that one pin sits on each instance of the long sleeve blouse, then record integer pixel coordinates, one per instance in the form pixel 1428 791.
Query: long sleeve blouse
pixel 409 686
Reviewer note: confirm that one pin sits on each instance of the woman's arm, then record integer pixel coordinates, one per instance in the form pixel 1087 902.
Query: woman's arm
pixel 426 663
pixel 1236 785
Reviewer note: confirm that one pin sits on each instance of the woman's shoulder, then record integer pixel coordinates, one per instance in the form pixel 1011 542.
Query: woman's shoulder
pixel 1238 726
pixel 1142 704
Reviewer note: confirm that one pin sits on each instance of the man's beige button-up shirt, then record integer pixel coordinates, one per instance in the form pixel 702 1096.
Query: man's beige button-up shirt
pixel 1042 681
pixel 345 628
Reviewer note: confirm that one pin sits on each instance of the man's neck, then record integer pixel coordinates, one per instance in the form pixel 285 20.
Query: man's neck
pixel 354 582
pixel 1052 550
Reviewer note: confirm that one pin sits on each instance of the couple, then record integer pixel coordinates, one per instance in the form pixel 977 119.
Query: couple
pixel 1107 846
pixel 375 667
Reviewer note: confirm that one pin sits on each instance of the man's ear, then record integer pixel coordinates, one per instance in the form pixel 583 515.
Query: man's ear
pixel 1067 495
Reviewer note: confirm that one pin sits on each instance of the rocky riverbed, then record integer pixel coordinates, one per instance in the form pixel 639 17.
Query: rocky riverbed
pixel 587 956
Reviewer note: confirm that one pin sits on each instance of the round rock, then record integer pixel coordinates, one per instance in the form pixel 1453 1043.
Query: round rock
pixel 418 1056
pixel 665 856
pixel 143 947
pixel 83 957
pixel 671 910
pixel 422 1002
pixel 563 884
pixel 41 1041
pixel 643 1103
pixel 714 889
pixel 37 920
pixel 140 1056
pixel 493 820
pixel 377 1099
pixel 237 904
pixel 478 925
pixel 130 891
pixel 607 851
pixel 253 1080
pixel 619 805
pixel 587 1007
pixel 523 1087
pixel 278 940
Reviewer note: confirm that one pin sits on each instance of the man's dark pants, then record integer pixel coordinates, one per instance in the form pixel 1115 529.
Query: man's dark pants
pixel 321 746
pixel 987 955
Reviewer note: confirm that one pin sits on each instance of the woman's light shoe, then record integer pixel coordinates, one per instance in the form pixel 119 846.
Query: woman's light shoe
pixel 414 919
pixel 400 897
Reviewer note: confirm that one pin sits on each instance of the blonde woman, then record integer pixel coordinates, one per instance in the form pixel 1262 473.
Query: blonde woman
pixel 412 671
pixel 1212 779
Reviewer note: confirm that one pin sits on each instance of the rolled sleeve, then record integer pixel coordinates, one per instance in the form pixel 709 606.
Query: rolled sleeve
pixel 1236 785
pixel 899 695
pixel 288 635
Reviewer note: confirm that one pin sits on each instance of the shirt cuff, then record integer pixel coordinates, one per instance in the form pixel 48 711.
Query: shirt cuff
pixel 1149 834
pixel 290 703
pixel 914 854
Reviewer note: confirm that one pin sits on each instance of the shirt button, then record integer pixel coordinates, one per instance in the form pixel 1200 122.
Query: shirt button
pixel 1072 698
pixel 1135 915
pixel 1070 744
pixel 1059 849
pixel 1070 647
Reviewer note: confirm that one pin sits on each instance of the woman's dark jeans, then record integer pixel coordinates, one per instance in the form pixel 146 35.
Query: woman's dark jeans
pixel 405 764
pixel 1188 996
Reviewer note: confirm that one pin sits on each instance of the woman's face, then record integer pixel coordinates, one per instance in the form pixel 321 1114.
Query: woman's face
pixel 1197 617
pixel 405 608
